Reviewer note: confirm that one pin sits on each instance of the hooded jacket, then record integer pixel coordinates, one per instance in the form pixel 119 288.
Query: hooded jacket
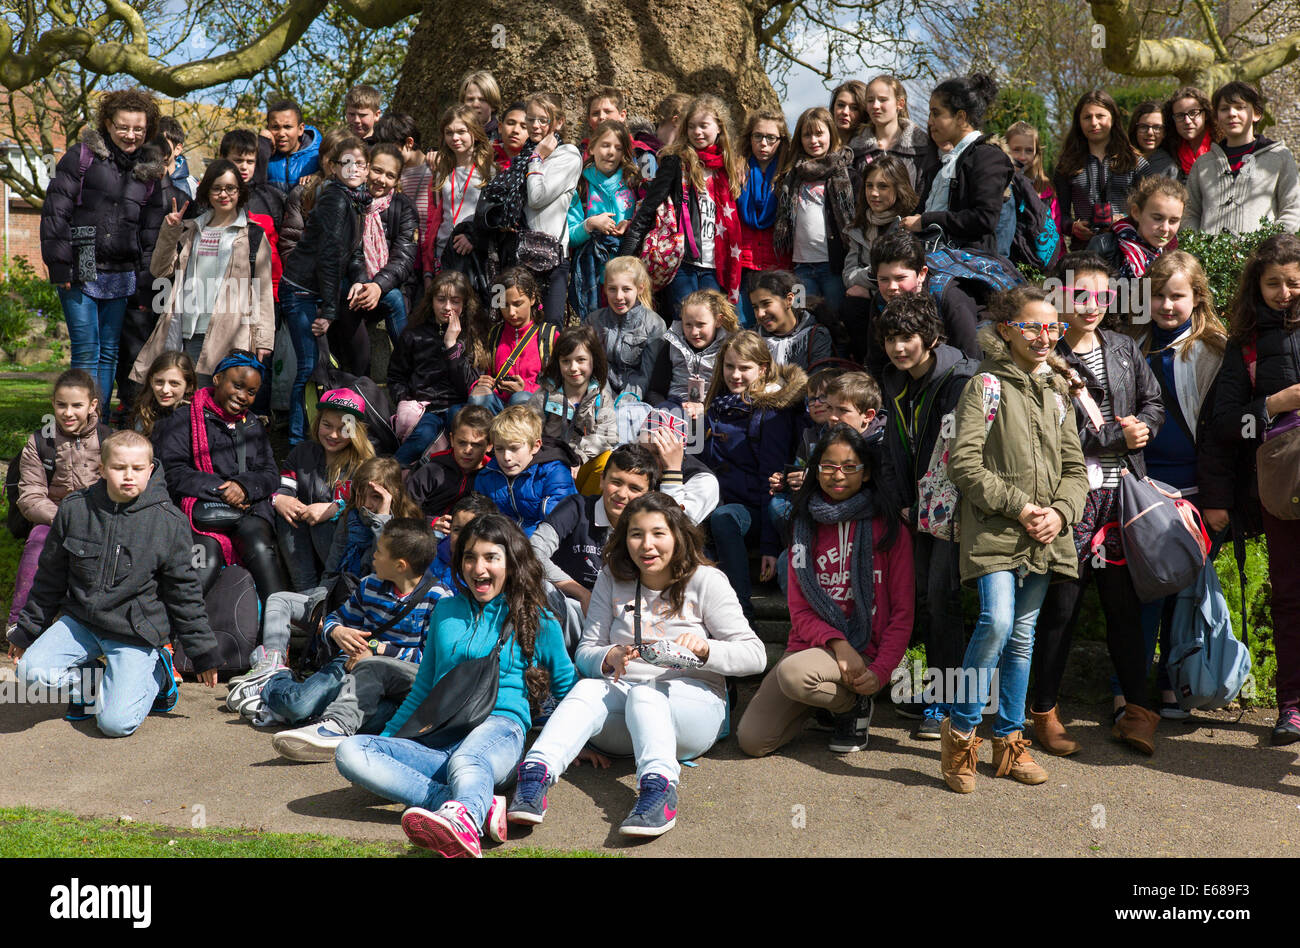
pixel 1266 188
pixel 914 148
pixel 438 483
pixel 1030 454
pixel 283 171
pixel 606 194
pixel 532 493
pixel 687 362
pixel 975 198
pixel 632 343
pixel 76 465
pixel 808 343
pixel 590 428
pixel 122 569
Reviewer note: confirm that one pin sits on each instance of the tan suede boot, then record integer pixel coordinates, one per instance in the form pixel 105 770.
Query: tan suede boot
pixel 1137 728
pixel 959 758
pixel 1051 734
pixel 1011 758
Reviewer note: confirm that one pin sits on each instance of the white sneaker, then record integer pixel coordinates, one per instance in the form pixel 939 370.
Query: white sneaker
pixel 249 687
pixel 260 660
pixel 311 743
pixel 496 820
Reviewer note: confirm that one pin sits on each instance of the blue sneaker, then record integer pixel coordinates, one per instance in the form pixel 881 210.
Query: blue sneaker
pixel 170 695
pixel 529 802
pixel 655 812
pixel 931 721
pixel 76 712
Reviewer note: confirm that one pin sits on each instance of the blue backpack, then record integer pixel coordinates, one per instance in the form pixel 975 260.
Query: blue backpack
pixel 979 273
pixel 1207 664
pixel 1036 241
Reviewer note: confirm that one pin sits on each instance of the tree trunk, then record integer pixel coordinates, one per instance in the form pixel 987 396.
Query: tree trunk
pixel 647 48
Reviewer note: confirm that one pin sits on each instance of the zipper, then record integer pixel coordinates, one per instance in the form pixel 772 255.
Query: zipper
pixel 108 540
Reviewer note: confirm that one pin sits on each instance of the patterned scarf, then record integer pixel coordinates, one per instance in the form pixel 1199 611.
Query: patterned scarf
pixel 858 510
pixel 204 401
pixel 1138 254
pixel 374 242
pixel 834 170
pixel 726 243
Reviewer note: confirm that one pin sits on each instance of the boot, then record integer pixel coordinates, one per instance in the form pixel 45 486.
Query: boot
pixel 1051 734
pixel 1011 758
pixel 959 758
pixel 1137 728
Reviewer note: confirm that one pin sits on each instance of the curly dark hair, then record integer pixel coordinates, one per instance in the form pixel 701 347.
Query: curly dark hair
pixel 128 100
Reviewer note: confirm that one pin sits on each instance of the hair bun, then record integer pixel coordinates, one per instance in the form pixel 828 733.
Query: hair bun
pixel 984 85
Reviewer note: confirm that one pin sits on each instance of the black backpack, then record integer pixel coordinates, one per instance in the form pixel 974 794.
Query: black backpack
pixel 234 612
pixel 19 525
pixel 379 410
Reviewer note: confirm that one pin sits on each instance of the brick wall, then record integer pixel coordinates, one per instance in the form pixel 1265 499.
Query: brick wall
pixel 25 233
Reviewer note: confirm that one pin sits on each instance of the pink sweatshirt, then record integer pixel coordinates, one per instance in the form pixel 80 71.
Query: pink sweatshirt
pixel 529 364
pixel 891 623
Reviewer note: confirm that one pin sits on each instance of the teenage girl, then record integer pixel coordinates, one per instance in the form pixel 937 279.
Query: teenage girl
pixel 600 210
pixel 886 198
pixel 462 166
pixel 554 167
pixel 517 347
pixel 1146 133
pixel 1155 211
pixel 574 399
pixel 1026 147
pixel 848 107
pixel 765 143
pixel 888 131
pixel 169 384
pixel 1189 128
pixel 629 329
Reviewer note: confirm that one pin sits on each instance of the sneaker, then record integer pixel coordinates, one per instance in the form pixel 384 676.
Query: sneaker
pixel 496 820
pixel 170 694
pixel 259 661
pixel 1171 711
pixel 1287 729
pixel 655 812
pixel 76 712
pixel 544 712
pixel 852 727
pixel 929 728
pixel 822 720
pixel 447 832
pixel 311 743
pixel 529 803
pixel 176 672
pixel 250 688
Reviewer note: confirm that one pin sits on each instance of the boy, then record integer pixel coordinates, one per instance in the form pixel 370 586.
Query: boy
pixel 170 129
pixel 922 383
pixel 462 512
pixel 685 478
pixel 784 484
pixel 293 149
pixel 360 112
pixel 852 399
pixel 447 476
pixel 400 129
pixel 117 566
pixel 604 104
pixel 524 484
pixel 239 146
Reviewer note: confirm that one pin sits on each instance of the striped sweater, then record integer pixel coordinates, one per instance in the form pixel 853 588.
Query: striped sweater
pixel 373 604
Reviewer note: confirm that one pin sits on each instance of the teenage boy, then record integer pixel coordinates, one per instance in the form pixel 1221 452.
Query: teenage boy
pixel 685 478
pixel 525 483
pixel 116 572
pixel 399 128
pixel 361 110
pixel 922 383
pixel 293 149
pixel 447 476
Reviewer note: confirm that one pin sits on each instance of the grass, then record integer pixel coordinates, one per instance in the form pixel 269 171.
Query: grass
pixel 23 403
pixel 52 833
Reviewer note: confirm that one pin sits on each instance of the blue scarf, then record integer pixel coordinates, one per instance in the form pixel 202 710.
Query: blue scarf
pixel 758 202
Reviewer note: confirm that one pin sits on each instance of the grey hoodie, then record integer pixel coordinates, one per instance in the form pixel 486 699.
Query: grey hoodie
pixel 687 361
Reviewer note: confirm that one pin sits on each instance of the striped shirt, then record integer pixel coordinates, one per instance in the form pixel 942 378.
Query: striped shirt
pixel 1095 362
pixel 373 604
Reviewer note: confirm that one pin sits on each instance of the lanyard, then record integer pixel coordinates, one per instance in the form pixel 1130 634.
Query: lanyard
pixel 455 208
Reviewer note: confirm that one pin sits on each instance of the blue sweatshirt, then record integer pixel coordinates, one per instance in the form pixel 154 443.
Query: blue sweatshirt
pixel 373 604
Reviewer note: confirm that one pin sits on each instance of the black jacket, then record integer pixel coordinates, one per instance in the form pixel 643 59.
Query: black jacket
pixel 122 569
pixel 120 196
pixel 975 199
pixel 439 483
pixel 261 477
pixel 667 180
pixel 1134 390
pixel 423 369
pixel 292 223
pixel 303 474
pixel 322 259
pixel 961 316
pixel 400 224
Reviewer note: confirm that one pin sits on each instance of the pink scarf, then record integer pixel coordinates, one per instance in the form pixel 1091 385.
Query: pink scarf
pixel 374 242
pixel 203 461
pixel 726 244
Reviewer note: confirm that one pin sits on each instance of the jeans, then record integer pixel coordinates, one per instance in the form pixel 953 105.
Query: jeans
pixel 690 278
pixel 425 432
pixel 428 777
pixel 493 403
pixel 660 723
pixel 819 279
pixel 26 573
pixel 392 306
pixel 282 610
pixel 94 328
pixel 305 548
pixel 131 682
pixel 1003 640
pixel 730 524
pixel 299 312
pixel 299 701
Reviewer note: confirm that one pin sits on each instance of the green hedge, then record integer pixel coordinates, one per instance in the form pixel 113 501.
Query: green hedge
pixel 1224 256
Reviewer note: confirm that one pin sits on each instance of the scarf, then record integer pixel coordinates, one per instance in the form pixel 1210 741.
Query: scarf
pixel 374 242
pixel 857 510
pixel 204 402
pixel 587 270
pixel 834 170
pixel 1187 154
pixel 758 201
pixel 1138 254
pixel 726 242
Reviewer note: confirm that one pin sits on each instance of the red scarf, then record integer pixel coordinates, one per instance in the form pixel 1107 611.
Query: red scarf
pixel 203 460
pixel 726 244
pixel 1187 155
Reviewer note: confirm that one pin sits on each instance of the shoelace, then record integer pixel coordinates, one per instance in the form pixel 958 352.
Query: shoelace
pixel 969 758
pixel 651 796
pixel 531 786
pixel 1011 753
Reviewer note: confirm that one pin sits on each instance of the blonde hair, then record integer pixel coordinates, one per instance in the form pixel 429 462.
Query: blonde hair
pixel 444 163
pixel 123 440
pixel 554 108
pixel 487 86
pixel 354 455
pixel 1207 327
pixel 717 304
pixel 858 388
pixel 1034 170
pixel 633 267
pixel 516 423
pixel 1150 186
pixel 733 165
pixel 749 347
pixel 363 97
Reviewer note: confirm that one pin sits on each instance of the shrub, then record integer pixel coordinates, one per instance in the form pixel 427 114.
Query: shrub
pixel 24 295
pixel 1224 256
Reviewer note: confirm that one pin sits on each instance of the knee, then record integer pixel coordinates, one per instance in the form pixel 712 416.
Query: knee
pixel 120 721
pixel 350 756
pixel 752 741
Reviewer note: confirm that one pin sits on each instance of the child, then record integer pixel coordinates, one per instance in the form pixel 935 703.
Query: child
pixel 449 527
pixel 668 117
pixel 362 107
pixel 554 168
pixel 1220 197
pixel 56 460
pixel 889 131
pixel 400 129
pixel 794 335
pixel 1023 482
pixel 1155 209
pixel 630 330
pixel 377 496
pixel 848 106
pixel 447 783
pixel 887 196
pixel 480 92
pixel 1026 149
pixel 765 143
pixel 265 203
pixel 316 484
pixel 601 206
pixel 295 147
pixel 302 199
pixel 446 477
pixel 436 362
pixel 921 386
pixel 604 104
pixel 655 586
pixel 122 607
pixel 575 403
pixel 752 410
pixel 525 486
pixel 169 384
pixel 816 204
pixel 519 346
pixel 461 168
pixel 1190 118
pixel 693 345
pixel 1146 133
pixel 850 604
pixel 1259 386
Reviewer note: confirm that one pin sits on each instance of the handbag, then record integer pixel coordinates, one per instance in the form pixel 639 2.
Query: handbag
pixel 1164 539
pixel 661 653
pixel 1277 462
pixel 217 516
pixel 538 251
pixel 460 701
pixel 664 247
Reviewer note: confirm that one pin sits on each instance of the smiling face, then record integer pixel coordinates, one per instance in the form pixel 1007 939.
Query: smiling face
pixel 513 130
pixel 1158 221
pixel 650 544
pixel 618 488
pixel 879 191
pixel 384 172
pixel 286 130
pixel 351 168
pixel 458 138
pixel 234 389
pixel 1031 353
pixel 699 325
pixel 840 484
pixel 1279 285
pixel 483 568
pixel 739 374
pixel 333 431
pixel 128 130
pixel 1087 311
pixel 816 139
pixel 126 472
pixel 1172 303
pixel 607 152
pixel 168 387
pixel 1149 131
pixel 774 313
pixel 818 409
pixel 1095 123
pixel 513 456
pixel 702 130
pixel 224 193
pixel 907 352
pixel 539 122
pixel 846 111
pixel 72 407
pixel 620 292
pixel 882 104
pixel 575 369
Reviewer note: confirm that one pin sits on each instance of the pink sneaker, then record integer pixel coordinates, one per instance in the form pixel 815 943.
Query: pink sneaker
pixel 448 832
pixel 496 820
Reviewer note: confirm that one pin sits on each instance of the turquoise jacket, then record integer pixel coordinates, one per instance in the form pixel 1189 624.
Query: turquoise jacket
pixel 604 195
pixel 460 631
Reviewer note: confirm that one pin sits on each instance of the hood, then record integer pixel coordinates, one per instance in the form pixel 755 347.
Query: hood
pixel 804 323
pixel 913 139
pixel 145 171
pixel 604 183
pixel 92 422
pixel 309 144
pixel 154 493
pixel 789 387
pixel 946 357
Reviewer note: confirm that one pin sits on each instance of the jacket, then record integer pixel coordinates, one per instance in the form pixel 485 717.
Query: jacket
pixel 292 223
pixel 632 343
pixel 120 196
pixel 1267 188
pixel 1031 453
pixel 401 225
pixel 975 199
pixel 550 186
pixel 606 194
pixel 590 428
pixel 76 465
pixel 914 148
pixel 303 476
pixel 667 181
pixel 756 249
pixel 422 368
pixel 438 483
pixel 687 362
pixel 321 260
pixel 808 343
pixel 532 493
pixel 122 569
pixel 1075 203
pixel 283 171
pixel 836 245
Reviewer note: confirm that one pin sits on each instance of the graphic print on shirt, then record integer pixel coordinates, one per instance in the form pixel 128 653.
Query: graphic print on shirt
pixel 708 218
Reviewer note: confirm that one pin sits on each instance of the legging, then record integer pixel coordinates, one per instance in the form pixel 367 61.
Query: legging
pixel 254 542
pixel 349 339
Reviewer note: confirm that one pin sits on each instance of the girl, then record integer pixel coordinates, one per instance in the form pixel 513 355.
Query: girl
pixel 1096 170
pixel 1026 147
pixel 630 331
pixel 764 144
pixel 1189 128
pixel 816 197
pixel 1118 412
pixel 554 168
pixel 889 131
pixel 598 214
pixel 517 347
pixel 447 787
pixel 102 211
pixel 51 466
pixel 313 285
pixel 218 302
pixel 498 216
pixel 462 166
pixel 1244 179
pixel 169 384
pixel 1146 133
pixel 656 586
pixel 848 106
pixel 886 197
pixel 1258 386
pixel 302 199
pixel 1155 209
pixel 480 92
pixel 221 472
pixel 378 497
pixel 965 194
pixel 436 362
pixel 702 162
pixel 792 333
pixel 693 346
pixel 575 402
pixel 316 483
pixel 752 413
pixel 851 603
pixel 1017 461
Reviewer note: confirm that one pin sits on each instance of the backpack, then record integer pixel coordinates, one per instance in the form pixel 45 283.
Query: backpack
pixel 979 273
pixel 546 336
pixel 379 411
pixel 19 525
pixel 1036 241
pixel 1207 664
pixel 235 613
pixel 937 498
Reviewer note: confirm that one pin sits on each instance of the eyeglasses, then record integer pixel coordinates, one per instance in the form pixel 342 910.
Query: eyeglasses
pixel 1148 129
pixel 815 400
pixel 225 189
pixel 1032 331
pixel 764 139
pixel 848 470
pixel 1191 115
pixel 1082 297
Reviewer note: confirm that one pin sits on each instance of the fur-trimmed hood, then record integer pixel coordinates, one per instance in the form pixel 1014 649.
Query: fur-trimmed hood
pixel 145 171
pixel 790 385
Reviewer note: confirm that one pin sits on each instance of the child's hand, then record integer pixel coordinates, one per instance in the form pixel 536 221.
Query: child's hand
pixel 1215 518
pixel 351 641
pixel 775 483
pixel 851 664
pixel 593 757
pixel 546 146
pixel 867 683
pixel 483 386
pixel 1047 526
pixel 600 223
pixel 290 508
pixel 452 332
pixel 767 569
pixel 1136 433
pixel 616 660
pixel 318 513
pixel 443 525
pixel 208 678
pixel 697 644
pixel 795 479
pixel 912 223
pixel 174 218
pixel 385 498
pixel 320 326
pixel 861 292
pixel 670 447
pixel 233 494
pixel 1081 231
pixel 354 660
pixel 1028 514
pixel 15 652
pixel 462 244
pixel 512 384
pixel 693 409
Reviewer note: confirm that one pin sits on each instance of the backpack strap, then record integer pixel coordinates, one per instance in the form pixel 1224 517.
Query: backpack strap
pixel 45 450
pixel 548 335
pixel 255 235
pixel 83 165
pixel 992 398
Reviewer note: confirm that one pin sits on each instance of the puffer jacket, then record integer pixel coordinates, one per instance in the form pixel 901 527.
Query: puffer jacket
pixel 687 362
pixel 322 259
pixel 532 493
pixel 422 368
pixel 401 224
pixel 120 196
pixel 1030 454
pixel 283 171
pixel 76 465
pixel 632 343
pixel 914 148
pixel 590 428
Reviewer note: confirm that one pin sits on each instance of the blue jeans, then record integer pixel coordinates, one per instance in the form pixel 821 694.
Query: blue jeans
pixel 415 775
pixel 730 524
pixel 819 279
pixel 690 278
pixel 299 313
pixel 94 328
pixel 1003 640
pixel 132 680
pixel 299 701
pixel 493 403
pixel 393 307
pixel 425 432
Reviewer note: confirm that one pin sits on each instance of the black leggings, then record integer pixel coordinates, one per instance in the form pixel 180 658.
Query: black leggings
pixel 254 541
pixel 349 339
